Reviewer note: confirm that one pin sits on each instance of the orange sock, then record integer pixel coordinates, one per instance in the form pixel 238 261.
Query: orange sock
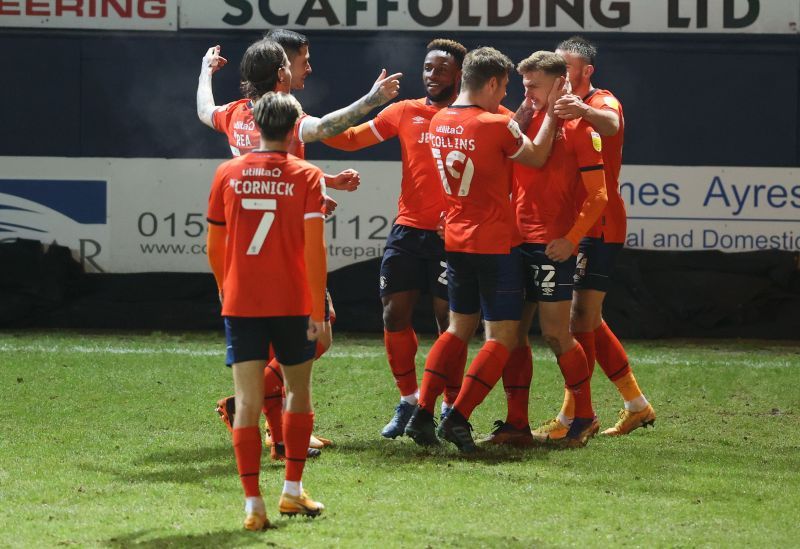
pixel 320 350
pixel 297 429
pixel 247 448
pixel 517 377
pixel 568 406
pixel 576 375
pixel 401 350
pixel 272 407
pixel 455 377
pixel 628 387
pixel 483 374
pixel 447 349
pixel 586 339
pixel 610 354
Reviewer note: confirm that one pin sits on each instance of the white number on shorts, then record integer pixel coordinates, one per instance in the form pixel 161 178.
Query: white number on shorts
pixel 449 163
pixel 268 206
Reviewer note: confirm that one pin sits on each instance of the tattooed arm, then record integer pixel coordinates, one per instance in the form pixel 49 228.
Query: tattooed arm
pixel 212 62
pixel 384 90
pixel 524 115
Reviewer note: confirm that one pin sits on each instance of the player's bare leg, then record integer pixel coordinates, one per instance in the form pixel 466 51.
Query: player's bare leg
pixel 249 391
pixel 298 421
pixel 517 375
pixel 554 319
pixel 600 342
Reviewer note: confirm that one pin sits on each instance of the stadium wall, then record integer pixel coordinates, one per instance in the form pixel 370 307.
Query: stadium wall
pixel 83 103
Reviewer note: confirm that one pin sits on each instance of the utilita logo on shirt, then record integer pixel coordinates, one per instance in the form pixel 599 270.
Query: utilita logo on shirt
pixel 447 130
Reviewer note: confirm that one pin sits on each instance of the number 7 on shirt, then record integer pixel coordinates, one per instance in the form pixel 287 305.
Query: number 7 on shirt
pixel 268 206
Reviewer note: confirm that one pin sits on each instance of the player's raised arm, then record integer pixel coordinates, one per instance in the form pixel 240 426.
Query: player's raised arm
pixel 212 62
pixel 383 90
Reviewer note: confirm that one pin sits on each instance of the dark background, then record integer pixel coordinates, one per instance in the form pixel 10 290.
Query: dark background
pixel 689 99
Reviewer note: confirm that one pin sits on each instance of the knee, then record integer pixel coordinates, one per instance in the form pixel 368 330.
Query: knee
pixel 556 341
pixel 580 318
pixel 395 318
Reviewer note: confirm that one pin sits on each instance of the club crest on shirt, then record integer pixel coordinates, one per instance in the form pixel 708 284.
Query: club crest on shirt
pixel 597 142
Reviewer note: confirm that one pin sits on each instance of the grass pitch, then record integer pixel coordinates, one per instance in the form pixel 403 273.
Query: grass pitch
pixel 111 440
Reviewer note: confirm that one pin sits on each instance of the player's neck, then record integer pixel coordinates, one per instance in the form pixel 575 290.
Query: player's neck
pixel 583 90
pixel 469 98
pixel 444 102
pixel 271 145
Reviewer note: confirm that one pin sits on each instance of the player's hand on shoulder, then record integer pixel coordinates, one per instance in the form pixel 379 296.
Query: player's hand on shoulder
pixel 348 181
pixel 328 204
pixel 559 250
pixel 315 329
pixel 385 88
pixel 213 60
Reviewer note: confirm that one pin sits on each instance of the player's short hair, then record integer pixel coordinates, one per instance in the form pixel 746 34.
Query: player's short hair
pixel 457 50
pixel 579 45
pixel 259 68
pixel 290 40
pixel 546 61
pixel 483 64
pixel 276 114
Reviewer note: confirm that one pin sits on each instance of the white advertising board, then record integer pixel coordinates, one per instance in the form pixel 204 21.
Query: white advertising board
pixel 663 16
pixel 136 15
pixel 148 215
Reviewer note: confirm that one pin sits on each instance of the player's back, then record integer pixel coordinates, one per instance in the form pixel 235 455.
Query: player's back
pixel 545 197
pixel 263 198
pixel 473 150
pixel 236 121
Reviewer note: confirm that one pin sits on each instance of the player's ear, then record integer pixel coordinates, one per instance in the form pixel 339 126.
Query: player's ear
pixel 588 71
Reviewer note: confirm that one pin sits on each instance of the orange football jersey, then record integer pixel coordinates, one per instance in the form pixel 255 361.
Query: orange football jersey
pixel 263 199
pixel 612 224
pixel 236 121
pixel 421 201
pixel 473 151
pixel 545 197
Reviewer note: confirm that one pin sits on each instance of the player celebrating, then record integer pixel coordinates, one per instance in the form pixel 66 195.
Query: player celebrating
pixel 598 251
pixel 414 258
pixel 265 66
pixel 551 229
pixel 265 238
pixel 473 147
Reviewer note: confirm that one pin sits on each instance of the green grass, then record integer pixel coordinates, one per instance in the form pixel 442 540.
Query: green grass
pixel 110 440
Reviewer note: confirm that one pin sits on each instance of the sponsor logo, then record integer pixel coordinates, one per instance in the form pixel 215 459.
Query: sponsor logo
pixel 66 212
pixel 382 282
pixel 418 120
pixel 447 130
